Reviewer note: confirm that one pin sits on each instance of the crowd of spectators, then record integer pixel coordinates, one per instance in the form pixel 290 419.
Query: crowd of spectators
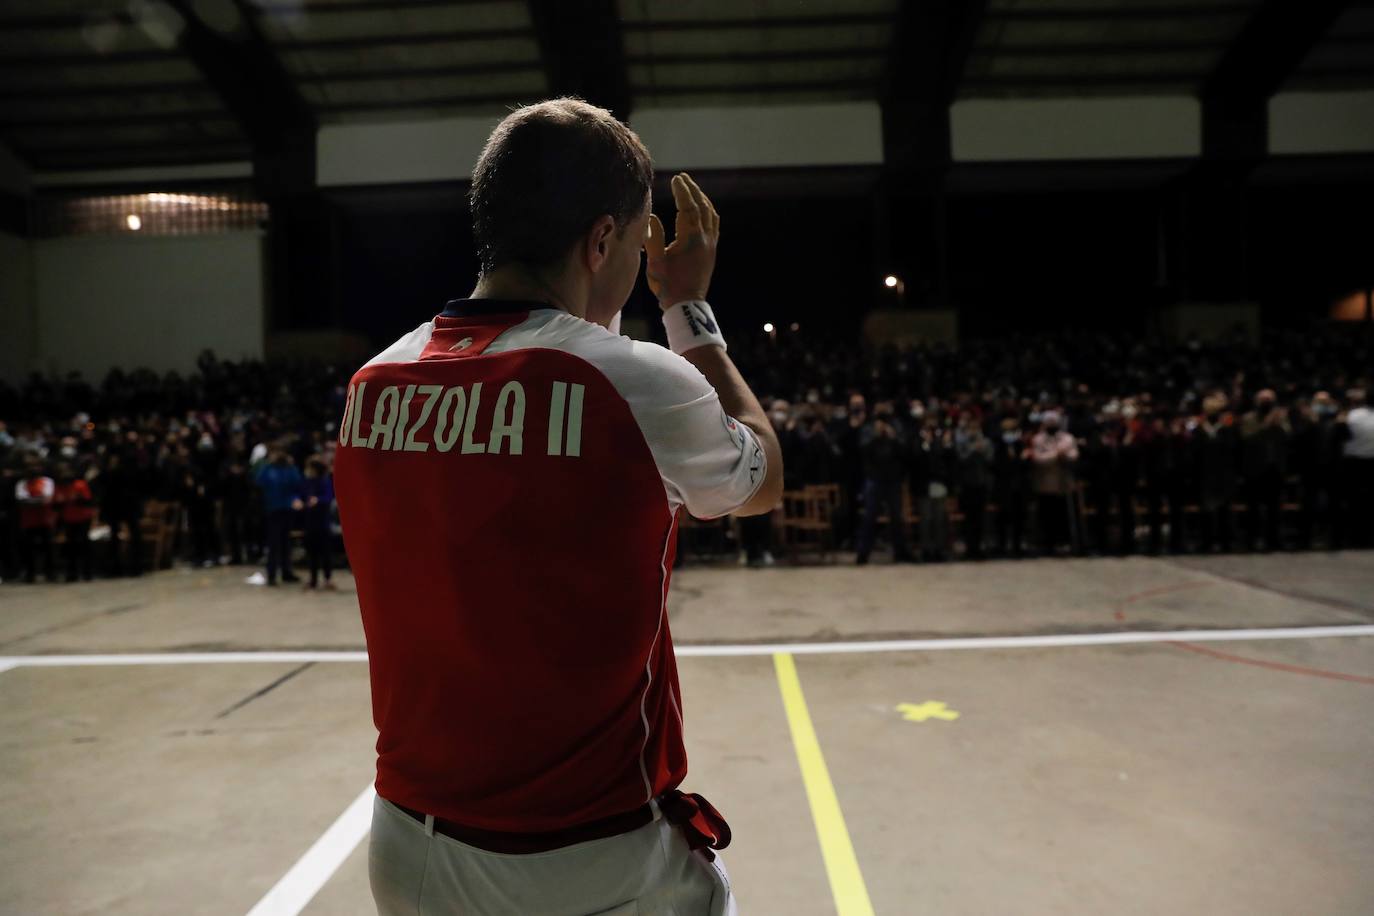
pixel 1082 443
pixel 241 452
pixel 1054 444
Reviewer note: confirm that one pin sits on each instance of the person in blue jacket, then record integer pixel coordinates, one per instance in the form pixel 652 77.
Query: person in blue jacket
pixel 280 482
pixel 317 492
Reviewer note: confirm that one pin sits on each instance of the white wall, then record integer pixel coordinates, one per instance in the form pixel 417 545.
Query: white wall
pixel 153 301
pixel 848 133
pixel 397 152
pixel 446 149
pixel 1321 122
pixel 986 130
pixel 17 308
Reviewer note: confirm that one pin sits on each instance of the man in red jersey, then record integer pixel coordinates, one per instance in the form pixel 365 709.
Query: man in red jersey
pixel 509 476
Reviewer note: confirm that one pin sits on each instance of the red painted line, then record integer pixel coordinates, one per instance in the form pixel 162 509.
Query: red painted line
pixel 1274 666
pixel 1120 613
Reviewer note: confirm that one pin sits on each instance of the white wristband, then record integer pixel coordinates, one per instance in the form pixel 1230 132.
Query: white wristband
pixel 692 324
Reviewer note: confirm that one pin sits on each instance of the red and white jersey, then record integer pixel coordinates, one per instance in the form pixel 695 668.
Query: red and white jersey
pixel 508 479
pixel 35 497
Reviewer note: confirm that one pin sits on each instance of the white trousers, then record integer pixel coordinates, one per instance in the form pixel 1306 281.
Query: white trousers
pixel 648 871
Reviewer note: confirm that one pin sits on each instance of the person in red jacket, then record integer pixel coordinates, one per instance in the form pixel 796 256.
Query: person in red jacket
pixel 34 493
pixel 76 509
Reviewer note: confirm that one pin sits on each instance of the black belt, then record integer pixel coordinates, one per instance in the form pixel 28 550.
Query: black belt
pixel 700 822
pixel 521 843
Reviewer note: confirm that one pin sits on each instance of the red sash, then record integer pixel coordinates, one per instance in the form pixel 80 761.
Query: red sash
pixel 698 819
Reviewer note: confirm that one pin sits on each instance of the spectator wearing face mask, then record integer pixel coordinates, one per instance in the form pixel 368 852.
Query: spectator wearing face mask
pixel 35 493
pixel 1115 476
pixel 1317 443
pixel 848 436
pixel 199 496
pixel 884 467
pixel 1164 447
pixel 76 508
pixel 1264 435
pixel 931 475
pixel 1011 481
pixel 236 492
pixel 1052 454
pixel 1215 460
pixel 974 452
pixel 815 455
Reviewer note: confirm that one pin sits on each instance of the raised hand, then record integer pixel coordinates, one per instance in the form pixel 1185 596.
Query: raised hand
pixel 682 270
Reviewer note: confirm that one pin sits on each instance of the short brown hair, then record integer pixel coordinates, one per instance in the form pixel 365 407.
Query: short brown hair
pixel 547 172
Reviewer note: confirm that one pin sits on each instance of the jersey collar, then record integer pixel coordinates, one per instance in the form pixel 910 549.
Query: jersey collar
pixel 473 308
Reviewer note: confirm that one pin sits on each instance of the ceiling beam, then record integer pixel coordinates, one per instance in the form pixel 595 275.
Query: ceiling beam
pixel 99 90
pixel 758 22
pixel 1112 13
pixel 241 66
pixel 356 42
pixel 1093 49
pixel 584 52
pixel 62 59
pixel 120 157
pixel 14 214
pixel 1081 81
pixel 1269 48
pixel 294 9
pixel 493 100
pixel 102 119
pixel 931 44
pixel 850 85
pixel 65 21
pixel 57 60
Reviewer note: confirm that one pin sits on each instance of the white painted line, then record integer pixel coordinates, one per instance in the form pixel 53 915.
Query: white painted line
pixel 803 648
pixel 299 885
pixel 1034 642
pixel 182 658
pixel 7 664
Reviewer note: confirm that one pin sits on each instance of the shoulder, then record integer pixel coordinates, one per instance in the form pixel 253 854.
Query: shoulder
pixel 642 372
pixel 406 348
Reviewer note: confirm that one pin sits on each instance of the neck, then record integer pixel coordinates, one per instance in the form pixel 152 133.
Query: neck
pixel 519 282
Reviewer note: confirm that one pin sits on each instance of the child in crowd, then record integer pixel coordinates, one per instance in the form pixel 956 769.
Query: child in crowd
pixel 317 494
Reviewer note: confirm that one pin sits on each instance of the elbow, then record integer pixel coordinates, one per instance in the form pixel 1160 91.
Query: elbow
pixel 771 491
pixel 768 496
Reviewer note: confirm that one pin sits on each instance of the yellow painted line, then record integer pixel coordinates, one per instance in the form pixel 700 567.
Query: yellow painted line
pixel 846 881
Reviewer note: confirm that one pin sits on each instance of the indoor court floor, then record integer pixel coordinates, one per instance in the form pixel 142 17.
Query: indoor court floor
pixel 1127 736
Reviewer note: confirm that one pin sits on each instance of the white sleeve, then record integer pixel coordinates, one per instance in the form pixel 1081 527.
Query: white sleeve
pixel 708 460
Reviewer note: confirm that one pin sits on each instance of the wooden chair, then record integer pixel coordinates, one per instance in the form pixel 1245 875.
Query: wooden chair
pixel 807 519
pixel 158 527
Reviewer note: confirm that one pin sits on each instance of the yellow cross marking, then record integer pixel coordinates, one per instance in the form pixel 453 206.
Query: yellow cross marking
pixel 930 709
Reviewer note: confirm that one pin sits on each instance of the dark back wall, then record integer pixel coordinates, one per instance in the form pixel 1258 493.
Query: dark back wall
pixel 1015 262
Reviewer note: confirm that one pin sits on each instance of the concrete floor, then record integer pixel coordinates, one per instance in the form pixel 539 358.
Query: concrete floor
pixel 1117 778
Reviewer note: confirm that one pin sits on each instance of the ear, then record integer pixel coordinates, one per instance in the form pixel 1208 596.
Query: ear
pixel 597 242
